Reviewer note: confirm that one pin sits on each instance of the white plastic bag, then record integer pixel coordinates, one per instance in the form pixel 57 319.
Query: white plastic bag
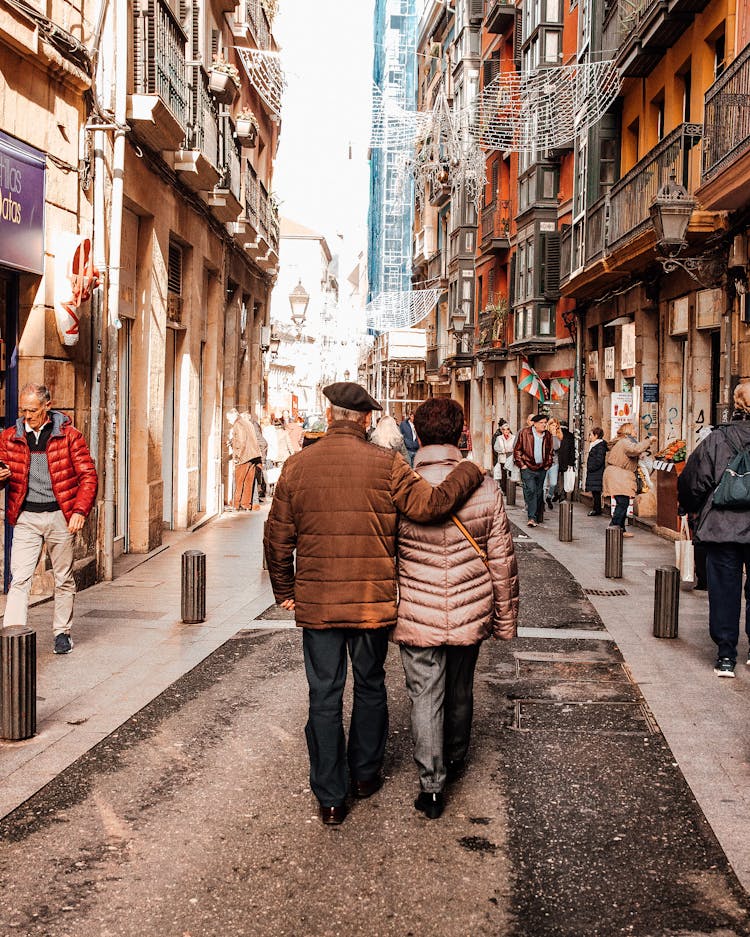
pixel 569 480
pixel 683 549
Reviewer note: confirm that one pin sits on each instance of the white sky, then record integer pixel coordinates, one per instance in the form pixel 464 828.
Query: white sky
pixel 326 49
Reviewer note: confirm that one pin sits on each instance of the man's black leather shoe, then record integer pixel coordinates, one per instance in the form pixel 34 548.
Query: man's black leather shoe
pixel 594 514
pixel 363 789
pixel 332 816
pixel 431 804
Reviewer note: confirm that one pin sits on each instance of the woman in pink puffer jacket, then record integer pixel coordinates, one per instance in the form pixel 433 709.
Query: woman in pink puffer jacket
pixel 449 602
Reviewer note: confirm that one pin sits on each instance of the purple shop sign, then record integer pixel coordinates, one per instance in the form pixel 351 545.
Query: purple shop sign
pixel 22 174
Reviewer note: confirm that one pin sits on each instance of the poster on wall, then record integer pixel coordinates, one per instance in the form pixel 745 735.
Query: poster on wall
pixel 622 411
pixel 22 178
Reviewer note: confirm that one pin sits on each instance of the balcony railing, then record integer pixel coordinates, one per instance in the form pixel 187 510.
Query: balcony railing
pixel 596 230
pixel 496 222
pixel 499 15
pixel 231 172
pixel 251 198
pixel 255 15
pixel 159 55
pixel 631 196
pixel 203 118
pixel 727 117
pixel 434 357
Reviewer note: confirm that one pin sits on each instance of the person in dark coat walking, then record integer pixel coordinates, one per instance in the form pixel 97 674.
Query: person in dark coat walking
pixel 410 436
pixel 725 532
pixel 595 468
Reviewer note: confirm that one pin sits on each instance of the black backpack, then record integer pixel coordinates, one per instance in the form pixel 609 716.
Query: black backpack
pixel 733 490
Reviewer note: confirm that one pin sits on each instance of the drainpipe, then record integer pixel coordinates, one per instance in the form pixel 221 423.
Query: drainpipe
pixel 113 323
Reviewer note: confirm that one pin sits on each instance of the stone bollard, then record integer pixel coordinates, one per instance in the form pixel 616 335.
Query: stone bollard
pixel 510 496
pixel 613 553
pixel 666 601
pixel 17 683
pixel 193 586
pixel 565 521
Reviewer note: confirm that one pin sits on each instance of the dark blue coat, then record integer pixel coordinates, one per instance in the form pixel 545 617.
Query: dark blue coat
pixel 409 434
pixel 595 466
pixel 698 481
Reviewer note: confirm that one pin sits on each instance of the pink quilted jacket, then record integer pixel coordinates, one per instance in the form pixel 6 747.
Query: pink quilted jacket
pixel 446 593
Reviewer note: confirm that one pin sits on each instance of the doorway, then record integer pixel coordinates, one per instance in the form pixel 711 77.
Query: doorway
pixel 8 382
pixel 167 453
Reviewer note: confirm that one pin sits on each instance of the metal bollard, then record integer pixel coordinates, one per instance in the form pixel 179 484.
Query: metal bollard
pixel 193 586
pixel 565 521
pixel 510 497
pixel 613 553
pixel 263 548
pixel 666 601
pixel 17 683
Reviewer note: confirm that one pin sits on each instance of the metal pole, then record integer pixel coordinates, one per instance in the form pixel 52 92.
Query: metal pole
pixel 613 553
pixel 193 586
pixel 666 602
pixel 565 520
pixel 17 683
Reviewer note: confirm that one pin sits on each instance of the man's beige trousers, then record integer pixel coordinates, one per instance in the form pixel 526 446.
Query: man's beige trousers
pixel 30 533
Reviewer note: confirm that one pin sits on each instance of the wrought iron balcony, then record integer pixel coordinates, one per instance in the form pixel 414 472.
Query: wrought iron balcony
pixel 727 118
pixel 435 357
pixel 642 30
pixel 631 197
pixel 256 18
pixel 596 229
pixel 491 333
pixel 499 16
pixel 158 105
pixel 198 159
pixel 496 226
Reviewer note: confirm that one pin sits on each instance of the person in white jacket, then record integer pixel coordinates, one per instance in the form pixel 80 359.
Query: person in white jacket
pixel 503 447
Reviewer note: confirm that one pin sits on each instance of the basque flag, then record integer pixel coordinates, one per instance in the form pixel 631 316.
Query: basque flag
pixel 530 381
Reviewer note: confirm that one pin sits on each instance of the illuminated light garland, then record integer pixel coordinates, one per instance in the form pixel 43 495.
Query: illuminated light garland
pixel 400 310
pixel 264 70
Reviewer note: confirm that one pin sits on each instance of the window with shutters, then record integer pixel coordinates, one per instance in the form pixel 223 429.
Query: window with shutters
pixel 476 11
pixel 174 283
pixel 550 265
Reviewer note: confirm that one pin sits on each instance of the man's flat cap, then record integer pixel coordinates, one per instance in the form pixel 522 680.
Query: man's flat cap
pixel 351 396
pixel 539 416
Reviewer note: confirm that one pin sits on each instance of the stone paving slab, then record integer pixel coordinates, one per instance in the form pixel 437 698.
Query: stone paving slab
pixel 703 718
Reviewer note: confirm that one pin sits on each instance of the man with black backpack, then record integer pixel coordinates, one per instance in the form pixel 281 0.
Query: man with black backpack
pixel 715 485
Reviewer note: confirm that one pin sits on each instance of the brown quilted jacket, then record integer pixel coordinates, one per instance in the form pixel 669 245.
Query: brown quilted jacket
pixel 337 503
pixel 447 594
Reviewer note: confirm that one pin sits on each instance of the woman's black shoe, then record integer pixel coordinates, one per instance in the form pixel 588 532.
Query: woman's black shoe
pixel 594 514
pixel 431 804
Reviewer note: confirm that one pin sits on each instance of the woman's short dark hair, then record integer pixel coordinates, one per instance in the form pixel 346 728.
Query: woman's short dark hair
pixel 598 432
pixel 439 421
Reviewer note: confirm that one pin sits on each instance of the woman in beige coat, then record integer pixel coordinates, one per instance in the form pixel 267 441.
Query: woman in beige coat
pixel 450 600
pixel 619 473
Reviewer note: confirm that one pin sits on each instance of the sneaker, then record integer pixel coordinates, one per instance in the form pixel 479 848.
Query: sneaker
pixel 724 667
pixel 549 503
pixel 63 644
pixel 531 524
pixel 626 533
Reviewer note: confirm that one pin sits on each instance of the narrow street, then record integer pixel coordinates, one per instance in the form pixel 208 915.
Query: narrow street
pixel 195 817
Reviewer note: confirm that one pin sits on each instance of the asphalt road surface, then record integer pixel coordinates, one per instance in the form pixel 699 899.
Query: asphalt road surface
pixel 195 818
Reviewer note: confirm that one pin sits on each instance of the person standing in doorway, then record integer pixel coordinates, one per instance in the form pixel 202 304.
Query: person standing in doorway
pixel 245 455
pixel 52 485
pixel 532 453
pixel 410 436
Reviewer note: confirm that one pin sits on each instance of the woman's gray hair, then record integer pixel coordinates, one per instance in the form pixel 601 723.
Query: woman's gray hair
pixel 40 391
pixel 742 396
pixel 387 434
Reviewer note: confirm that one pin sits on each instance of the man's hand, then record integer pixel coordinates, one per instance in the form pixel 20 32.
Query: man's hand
pixel 4 473
pixel 75 523
pixel 288 604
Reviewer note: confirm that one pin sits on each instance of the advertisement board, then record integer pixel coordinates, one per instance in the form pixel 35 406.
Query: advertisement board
pixel 22 177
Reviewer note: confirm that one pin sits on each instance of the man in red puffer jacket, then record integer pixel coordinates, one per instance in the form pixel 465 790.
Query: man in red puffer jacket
pixel 52 486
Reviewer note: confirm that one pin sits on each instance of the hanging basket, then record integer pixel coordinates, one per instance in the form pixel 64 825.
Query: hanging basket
pixel 222 86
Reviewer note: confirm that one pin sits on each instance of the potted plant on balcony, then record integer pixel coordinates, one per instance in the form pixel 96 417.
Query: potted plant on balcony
pixel 246 128
pixel 499 309
pixel 224 81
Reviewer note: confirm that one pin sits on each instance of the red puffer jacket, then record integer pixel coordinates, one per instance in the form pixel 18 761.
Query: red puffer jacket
pixel 71 468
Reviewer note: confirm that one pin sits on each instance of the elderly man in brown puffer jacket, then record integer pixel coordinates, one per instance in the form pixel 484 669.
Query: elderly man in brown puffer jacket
pixel 337 504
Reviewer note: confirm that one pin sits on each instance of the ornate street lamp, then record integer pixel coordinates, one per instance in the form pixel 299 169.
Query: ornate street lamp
pixel 459 318
pixel 274 344
pixel 670 215
pixel 298 300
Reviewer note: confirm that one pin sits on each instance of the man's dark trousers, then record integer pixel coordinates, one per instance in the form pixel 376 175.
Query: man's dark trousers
pixel 725 564
pixel 325 665
pixel 533 491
